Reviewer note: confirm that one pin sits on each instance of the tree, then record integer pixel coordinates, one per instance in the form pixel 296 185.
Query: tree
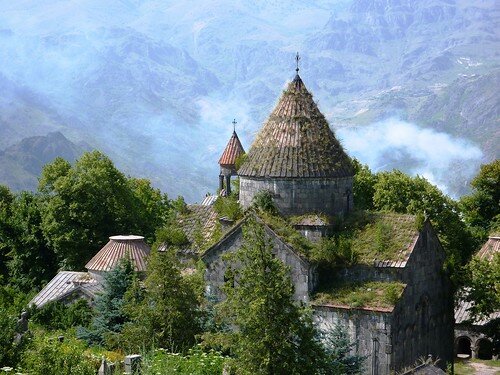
pixel 109 311
pixel 483 286
pixel 165 313
pixel 87 203
pixel 6 199
pixel 398 192
pixel 363 186
pixel 273 334
pixel 482 208
pixel 31 261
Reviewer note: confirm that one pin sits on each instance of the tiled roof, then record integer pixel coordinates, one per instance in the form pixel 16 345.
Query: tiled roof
pixel 118 247
pixel 490 248
pixel 232 151
pixel 64 284
pixel 209 200
pixel 296 141
pixel 202 218
pixel 199 219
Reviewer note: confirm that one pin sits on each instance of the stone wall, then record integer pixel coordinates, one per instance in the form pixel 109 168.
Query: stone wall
pixel 301 196
pixel 362 273
pixel 423 318
pixel 370 330
pixel 303 275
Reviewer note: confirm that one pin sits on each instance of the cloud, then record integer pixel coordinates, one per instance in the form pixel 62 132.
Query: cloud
pixel 446 161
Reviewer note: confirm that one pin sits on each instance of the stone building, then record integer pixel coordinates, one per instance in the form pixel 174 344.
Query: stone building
pixel 297 158
pixel 471 337
pixel 395 300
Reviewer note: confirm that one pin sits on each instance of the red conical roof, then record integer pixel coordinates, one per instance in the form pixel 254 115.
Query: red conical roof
pixel 232 151
pixel 117 248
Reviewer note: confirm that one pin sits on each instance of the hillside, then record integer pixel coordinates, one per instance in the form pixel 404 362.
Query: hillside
pixel 155 85
pixel 22 162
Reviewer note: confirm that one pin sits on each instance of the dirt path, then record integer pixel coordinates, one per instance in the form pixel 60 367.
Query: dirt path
pixel 482 369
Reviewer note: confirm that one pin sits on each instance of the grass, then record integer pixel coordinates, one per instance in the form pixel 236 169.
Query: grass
pixel 373 294
pixel 464 367
pixel 380 236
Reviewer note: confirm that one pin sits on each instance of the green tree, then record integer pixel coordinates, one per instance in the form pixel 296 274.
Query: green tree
pixel 31 261
pixel 110 314
pixel 165 314
pixel 483 286
pixel 482 208
pixel 273 335
pixel 398 192
pixel 363 186
pixel 87 203
pixel 6 199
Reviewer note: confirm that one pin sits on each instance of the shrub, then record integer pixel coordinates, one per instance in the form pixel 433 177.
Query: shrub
pixel 57 315
pixel 49 356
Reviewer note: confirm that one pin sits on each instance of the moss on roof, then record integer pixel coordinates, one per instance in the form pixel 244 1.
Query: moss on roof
pixel 372 294
pixel 380 235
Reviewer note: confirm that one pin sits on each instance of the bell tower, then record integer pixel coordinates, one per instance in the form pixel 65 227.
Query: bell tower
pixel 227 162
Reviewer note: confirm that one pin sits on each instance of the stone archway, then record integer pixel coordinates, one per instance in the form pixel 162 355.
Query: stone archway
pixel 463 347
pixel 484 349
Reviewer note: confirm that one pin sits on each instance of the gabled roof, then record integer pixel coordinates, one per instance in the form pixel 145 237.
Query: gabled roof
pixel 236 230
pixel 296 141
pixel 117 248
pixel 232 151
pixel 64 284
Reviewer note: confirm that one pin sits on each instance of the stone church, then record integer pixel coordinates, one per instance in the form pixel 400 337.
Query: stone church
pixel 395 301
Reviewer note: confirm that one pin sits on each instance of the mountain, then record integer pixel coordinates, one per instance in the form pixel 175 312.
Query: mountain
pixel 22 162
pixel 156 84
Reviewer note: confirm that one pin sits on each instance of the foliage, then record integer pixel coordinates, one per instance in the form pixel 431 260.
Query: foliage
pixel 32 261
pixel 172 236
pixel 165 314
pixel 274 335
pixel 483 286
pixel 48 356
pixel 482 208
pixel 289 234
pixel 228 207
pixel 397 192
pixel 86 203
pixel 338 349
pixel 335 251
pixel 263 201
pixel 363 186
pixel 6 199
pixel 240 160
pixel 195 362
pixel 56 315
pixel 367 294
pixel 109 310
pixel 11 303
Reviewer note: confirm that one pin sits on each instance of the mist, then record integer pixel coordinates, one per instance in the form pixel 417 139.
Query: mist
pixel 446 161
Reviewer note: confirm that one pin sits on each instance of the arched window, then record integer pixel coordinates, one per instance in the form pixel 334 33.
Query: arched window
pixel 463 347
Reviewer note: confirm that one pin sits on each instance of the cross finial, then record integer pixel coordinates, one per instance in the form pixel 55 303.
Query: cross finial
pixel 297 59
pixel 234 125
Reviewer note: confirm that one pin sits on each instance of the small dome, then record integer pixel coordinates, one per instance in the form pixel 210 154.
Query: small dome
pixel 117 248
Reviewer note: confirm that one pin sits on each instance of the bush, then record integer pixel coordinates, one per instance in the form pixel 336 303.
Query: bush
pixel 263 200
pixel 49 356
pixel 228 207
pixel 57 315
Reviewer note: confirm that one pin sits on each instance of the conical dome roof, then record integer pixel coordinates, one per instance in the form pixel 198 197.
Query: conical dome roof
pixel 232 151
pixel 296 141
pixel 117 248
